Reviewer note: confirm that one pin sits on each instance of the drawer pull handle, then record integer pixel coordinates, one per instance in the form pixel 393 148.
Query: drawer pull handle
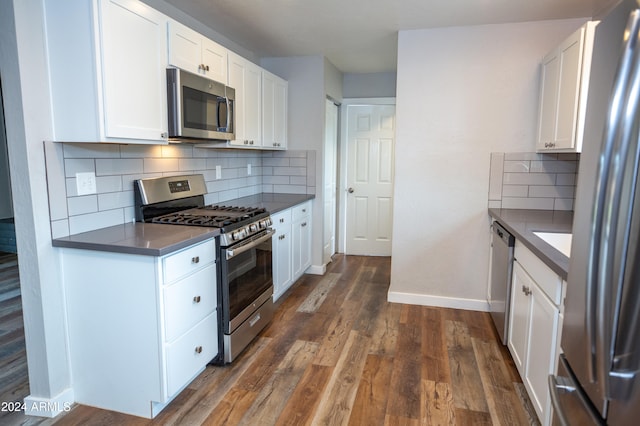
pixel 254 320
pixel 198 349
pixel 196 299
pixel 195 259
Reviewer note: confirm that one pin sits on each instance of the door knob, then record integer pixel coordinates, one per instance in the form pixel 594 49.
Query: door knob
pixel 350 190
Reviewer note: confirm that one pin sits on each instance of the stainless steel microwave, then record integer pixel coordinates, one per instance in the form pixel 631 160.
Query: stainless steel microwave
pixel 199 109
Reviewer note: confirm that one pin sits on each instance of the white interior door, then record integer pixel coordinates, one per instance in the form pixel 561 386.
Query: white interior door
pixel 369 178
pixel 330 181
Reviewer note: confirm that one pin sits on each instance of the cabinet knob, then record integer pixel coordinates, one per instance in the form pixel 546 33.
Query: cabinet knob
pixel 164 135
pixel 196 299
pixel 198 349
pixel 195 259
pixel 282 220
pixel 246 142
pixel 304 224
pixel 526 290
pixel 206 67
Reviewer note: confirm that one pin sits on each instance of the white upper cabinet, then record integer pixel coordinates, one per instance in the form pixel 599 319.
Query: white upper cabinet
pixel 274 111
pixel 193 52
pixel 563 92
pixel 246 78
pixel 107 62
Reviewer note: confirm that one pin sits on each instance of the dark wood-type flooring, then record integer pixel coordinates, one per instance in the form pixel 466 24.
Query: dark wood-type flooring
pixel 338 353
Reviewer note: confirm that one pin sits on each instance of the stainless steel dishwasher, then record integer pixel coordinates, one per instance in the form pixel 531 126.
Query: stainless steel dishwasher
pixel 502 243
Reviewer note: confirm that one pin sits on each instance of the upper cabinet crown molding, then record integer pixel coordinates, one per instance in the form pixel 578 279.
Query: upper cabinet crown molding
pixel 191 51
pixel 107 61
pixel 564 85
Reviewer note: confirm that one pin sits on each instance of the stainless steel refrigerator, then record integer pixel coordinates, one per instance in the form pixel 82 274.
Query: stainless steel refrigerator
pixel 597 379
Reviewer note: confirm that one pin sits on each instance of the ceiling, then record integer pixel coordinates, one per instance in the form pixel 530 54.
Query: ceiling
pixel 360 36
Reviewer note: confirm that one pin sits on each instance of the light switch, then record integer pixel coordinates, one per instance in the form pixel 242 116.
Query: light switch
pixel 86 183
pixel 218 172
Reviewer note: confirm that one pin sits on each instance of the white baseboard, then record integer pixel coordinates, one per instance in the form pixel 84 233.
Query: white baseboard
pixel 49 407
pixel 316 269
pixel 439 301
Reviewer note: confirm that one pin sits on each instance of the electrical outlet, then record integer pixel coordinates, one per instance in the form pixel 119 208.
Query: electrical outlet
pixel 218 172
pixel 86 183
pixel 249 169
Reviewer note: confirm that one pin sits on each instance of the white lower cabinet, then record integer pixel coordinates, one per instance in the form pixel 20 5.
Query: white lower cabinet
pixel 140 327
pixel 291 246
pixel 534 324
pixel 282 254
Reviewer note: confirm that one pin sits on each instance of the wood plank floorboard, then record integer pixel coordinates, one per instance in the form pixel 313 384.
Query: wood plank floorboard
pixel 338 353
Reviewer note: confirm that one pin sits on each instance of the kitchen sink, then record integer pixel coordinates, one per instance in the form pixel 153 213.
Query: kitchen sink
pixel 558 240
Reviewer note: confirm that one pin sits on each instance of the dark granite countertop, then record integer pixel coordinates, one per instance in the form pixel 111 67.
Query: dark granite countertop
pixel 522 224
pixel 153 239
pixel 273 202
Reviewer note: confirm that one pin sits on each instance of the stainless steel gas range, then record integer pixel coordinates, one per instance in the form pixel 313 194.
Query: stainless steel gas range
pixel 244 260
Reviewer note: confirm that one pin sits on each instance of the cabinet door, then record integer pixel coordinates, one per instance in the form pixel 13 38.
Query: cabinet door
pixel 519 316
pixel 282 278
pixel 246 78
pixel 274 111
pixel 541 351
pixel 185 46
pixel 134 57
pixel 214 58
pixel 548 97
pixel 301 235
pixel 570 53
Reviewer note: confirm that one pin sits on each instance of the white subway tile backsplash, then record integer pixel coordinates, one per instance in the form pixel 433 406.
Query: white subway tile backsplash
pixel 521 166
pixel 551 191
pixel 91 150
pixel 108 184
pixel 530 180
pixel 515 191
pixel 82 205
pixel 122 166
pixel 118 166
pixel 114 200
pixel 141 151
pixel 192 164
pixel 563 204
pixel 77 165
pixel 90 222
pixel 528 203
pixel 164 165
pixel 553 166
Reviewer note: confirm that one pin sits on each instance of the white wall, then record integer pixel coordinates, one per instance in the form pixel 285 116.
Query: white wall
pixel 25 88
pixel 370 85
pixel 462 93
pixel 311 80
pixel 6 205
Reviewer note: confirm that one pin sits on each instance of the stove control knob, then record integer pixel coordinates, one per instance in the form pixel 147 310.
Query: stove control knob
pixel 253 227
pixel 268 221
pixel 235 235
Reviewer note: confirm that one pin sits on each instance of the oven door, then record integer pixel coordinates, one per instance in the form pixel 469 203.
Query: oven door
pixel 247 276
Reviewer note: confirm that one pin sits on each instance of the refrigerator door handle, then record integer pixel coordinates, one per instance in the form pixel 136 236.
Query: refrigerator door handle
pixel 605 215
pixel 610 275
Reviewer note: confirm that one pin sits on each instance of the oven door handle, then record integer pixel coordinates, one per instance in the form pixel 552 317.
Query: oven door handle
pixel 249 244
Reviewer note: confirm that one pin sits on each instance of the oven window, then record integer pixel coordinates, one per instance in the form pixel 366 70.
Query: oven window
pixel 200 109
pixel 249 275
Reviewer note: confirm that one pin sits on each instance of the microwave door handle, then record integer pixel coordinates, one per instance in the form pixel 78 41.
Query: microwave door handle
pixel 228 125
pixel 625 137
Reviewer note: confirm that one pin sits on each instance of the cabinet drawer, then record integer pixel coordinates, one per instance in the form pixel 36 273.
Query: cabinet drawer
pixel 191 353
pixel 281 221
pixel 188 260
pixel 188 301
pixel 547 280
pixel 300 211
